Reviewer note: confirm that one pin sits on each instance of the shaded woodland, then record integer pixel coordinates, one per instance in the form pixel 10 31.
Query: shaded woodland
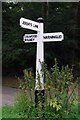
pixel 58 17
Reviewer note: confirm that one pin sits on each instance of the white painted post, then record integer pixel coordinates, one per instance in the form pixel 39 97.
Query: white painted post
pixel 39 57
pixel 39 90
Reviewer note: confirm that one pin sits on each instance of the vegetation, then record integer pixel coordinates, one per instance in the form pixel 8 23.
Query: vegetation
pixel 58 16
pixel 60 102
pixel 34 114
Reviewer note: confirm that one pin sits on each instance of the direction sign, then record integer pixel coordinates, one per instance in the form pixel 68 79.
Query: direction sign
pixel 51 37
pixel 30 38
pixel 40 38
pixel 47 37
pixel 29 24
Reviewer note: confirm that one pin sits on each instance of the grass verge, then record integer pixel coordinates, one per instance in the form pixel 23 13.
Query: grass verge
pixel 9 112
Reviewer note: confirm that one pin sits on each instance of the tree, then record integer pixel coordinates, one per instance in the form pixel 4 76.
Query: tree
pixel 58 16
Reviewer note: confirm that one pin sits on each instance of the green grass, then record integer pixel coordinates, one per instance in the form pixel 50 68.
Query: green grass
pixel 11 112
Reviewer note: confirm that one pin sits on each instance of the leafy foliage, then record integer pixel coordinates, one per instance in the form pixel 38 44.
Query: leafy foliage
pixel 27 83
pixel 28 80
pixel 60 100
pixel 22 104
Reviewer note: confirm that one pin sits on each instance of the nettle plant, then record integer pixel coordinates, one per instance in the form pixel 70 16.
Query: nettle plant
pixel 27 84
pixel 60 95
pixel 60 89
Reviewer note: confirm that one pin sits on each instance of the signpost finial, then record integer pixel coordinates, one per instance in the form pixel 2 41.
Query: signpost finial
pixel 40 20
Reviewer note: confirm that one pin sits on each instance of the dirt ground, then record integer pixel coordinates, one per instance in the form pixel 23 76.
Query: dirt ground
pixel 10 81
pixel 9 89
pixel 8 95
pixel 13 81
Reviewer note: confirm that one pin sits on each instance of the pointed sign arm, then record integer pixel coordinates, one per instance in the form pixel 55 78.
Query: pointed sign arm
pixel 29 24
pixel 53 37
pixel 47 37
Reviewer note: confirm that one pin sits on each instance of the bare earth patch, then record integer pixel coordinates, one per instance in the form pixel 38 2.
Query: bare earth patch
pixel 9 90
pixel 11 81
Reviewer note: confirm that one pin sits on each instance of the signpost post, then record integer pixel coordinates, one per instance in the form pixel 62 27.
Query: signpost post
pixel 40 38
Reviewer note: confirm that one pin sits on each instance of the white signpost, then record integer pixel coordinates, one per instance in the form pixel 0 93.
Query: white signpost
pixel 29 24
pixel 29 38
pixel 40 38
pixel 47 37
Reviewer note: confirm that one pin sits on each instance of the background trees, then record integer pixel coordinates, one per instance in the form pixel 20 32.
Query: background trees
pixel 58 16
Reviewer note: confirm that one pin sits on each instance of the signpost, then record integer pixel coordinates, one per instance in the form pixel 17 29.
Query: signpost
pixel 40 38
pixel 29 24
pixel 47 37
pixel 28 38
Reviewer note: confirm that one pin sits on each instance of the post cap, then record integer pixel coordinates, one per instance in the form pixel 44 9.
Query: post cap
pixel 40 19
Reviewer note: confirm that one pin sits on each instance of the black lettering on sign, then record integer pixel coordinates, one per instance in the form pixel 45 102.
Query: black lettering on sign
pixel 26 23
pixel 30 39
pixel 60 36
pixel 45 37
pixel 30 36
pixel 35 36
pixel 52 37
pixel 36 26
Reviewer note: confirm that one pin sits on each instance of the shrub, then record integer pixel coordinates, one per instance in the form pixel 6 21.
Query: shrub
pixel 59 99
pixel 27 83
pixel 22 104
